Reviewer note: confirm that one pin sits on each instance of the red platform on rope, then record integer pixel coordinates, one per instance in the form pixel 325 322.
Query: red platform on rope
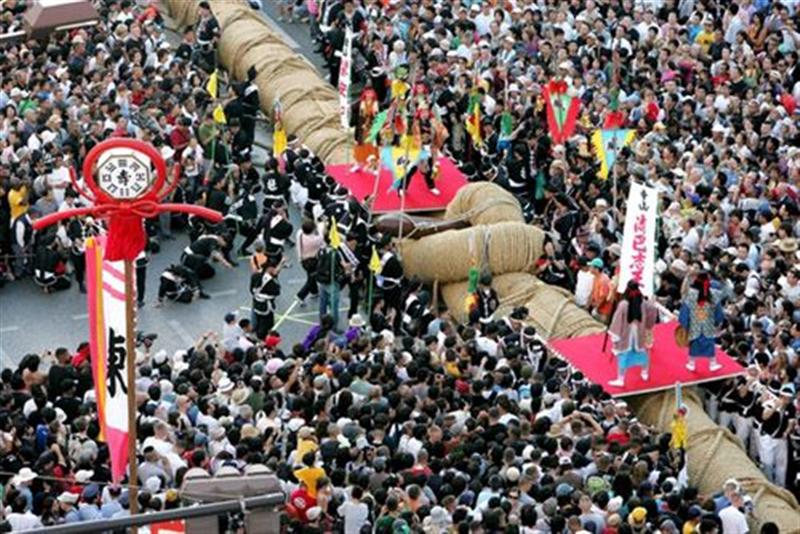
pixel 418 197
pixel 667 363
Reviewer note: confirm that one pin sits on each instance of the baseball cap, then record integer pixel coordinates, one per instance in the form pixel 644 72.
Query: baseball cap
pixel 638 515
pixel 564 490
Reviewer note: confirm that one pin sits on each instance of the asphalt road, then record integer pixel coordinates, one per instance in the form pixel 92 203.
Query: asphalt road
pixel 33 322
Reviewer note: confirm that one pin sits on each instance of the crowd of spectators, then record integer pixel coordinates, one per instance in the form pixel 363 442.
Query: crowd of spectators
pixel 408 421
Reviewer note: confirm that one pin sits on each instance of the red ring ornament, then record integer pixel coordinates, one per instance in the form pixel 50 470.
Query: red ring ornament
pixel 126 235
pixel 131 144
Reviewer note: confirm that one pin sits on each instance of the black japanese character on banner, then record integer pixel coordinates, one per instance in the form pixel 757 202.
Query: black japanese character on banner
pixel 117 357
pixel 643 205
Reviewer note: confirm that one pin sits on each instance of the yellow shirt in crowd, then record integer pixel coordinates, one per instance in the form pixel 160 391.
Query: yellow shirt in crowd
pixel 18 201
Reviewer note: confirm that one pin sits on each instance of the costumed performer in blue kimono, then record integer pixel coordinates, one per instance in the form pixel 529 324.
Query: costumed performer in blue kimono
pixel 701 315
pixel 631 333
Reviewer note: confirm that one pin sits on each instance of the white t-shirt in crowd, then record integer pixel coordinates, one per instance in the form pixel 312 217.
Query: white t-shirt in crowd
pixel 733 521
pixel 583 288
pixel 355 515
pixel 59 179
pixel 25 521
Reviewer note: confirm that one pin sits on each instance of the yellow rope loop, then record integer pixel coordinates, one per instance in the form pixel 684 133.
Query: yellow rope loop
pixel 557 316
pixel 710 451
pixel 487 242
pixel 484 203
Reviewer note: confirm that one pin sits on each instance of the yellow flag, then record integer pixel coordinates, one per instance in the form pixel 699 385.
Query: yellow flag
pixel 679 432
pixel 333 234
pixel 278 142
pixel 219 115
pixel 375 262
pixel 212 84
pixel 278 133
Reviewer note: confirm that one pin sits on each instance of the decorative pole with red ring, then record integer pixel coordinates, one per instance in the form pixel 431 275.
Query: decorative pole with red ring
pixel 125 181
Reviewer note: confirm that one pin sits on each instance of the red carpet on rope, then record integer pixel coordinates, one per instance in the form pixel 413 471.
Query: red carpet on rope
pixel 667 363
pixel 418 197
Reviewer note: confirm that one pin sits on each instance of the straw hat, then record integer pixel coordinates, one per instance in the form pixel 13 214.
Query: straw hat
pixel 356 321
pixel 26 474
pixel 225 385
pixel 68 497
pixel 249 431
pixel 239 396
pixel 787 245
pixel 83 476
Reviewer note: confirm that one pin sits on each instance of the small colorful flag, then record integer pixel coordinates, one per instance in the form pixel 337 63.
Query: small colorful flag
pixel 219 115
pixel 333 235
pixel 392 157
pixel 399 89
pixel 614 118
pixel 474 119
pixel 377 125
pixel 278 133
pixel 470 302
pixel 375 261
pixel 506 129
pixel 607 144
pixel 562 111
pixel 473 275
pixel 212 86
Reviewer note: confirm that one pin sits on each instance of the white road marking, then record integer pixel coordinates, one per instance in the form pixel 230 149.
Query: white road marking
pixel 286 314
pixel 224 293
pixel 297 320
pixel 12 328
pixel 296 281
pixel 80 317
pixel 312 313
pixel 178 328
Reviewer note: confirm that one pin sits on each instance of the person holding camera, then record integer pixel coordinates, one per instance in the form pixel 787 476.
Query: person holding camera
pixel 778 418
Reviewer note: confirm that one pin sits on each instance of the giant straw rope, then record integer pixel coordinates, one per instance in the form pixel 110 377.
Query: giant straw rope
pixel 311 113
pixel 310 105
pixel 714 455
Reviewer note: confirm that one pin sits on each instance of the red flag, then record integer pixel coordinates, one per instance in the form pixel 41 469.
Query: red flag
pixel 562 111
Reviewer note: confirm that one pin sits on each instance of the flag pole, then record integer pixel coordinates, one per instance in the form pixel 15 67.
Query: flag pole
pixel 369 295
pixel 406 180
pixel 130 321
pixel 334 243
pixel 377 171
pixel 614 177
pixel 334 304
pixel 615 101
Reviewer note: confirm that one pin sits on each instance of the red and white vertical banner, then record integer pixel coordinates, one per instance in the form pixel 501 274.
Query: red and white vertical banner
pixel 639 239
pixel 105 287
pixel 344 78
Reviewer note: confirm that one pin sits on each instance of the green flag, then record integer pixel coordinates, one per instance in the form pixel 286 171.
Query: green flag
pixel 377 126
pixel 613 105
pixel 506 124
pixel 473 276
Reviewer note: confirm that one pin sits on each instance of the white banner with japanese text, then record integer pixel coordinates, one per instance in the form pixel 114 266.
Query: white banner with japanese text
pixel 639 239
pixel 344 78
